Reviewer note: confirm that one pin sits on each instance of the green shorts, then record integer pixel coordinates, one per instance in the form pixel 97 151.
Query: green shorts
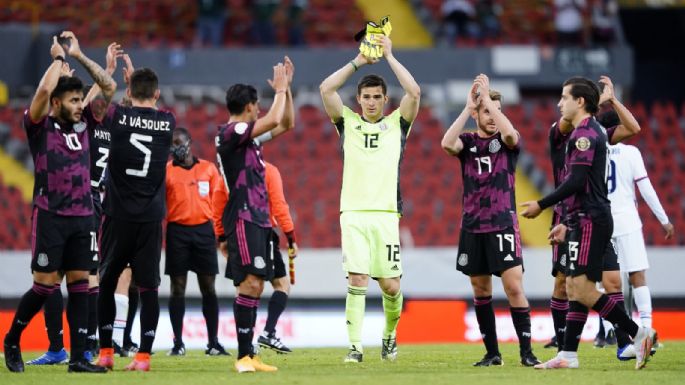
pixel 371 243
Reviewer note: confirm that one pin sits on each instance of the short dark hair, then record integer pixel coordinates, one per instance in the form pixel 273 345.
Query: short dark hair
pixel 238 96
pixel 143 84
pixel 371 81
pixel 66 84
pixel 585 88
pixel 609 119
pixel 182 131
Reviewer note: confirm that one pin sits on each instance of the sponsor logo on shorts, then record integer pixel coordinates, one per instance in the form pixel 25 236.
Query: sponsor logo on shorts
pixel 259 262
pixel 494 146
pixel 463 259
pixel 42 260
pixel 562 261
pixel 508 258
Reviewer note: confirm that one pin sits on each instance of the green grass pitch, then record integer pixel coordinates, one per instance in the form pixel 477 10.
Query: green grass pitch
pixel 416 364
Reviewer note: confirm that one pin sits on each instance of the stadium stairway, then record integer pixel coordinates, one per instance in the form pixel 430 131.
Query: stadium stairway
pixel 407 31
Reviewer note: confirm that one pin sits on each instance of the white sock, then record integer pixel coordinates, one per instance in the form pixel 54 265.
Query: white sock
pixel 568 355
pixel 643 301
pixel 121 302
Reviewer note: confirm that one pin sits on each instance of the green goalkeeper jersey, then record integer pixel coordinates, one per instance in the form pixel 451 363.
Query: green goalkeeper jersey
pixel 372 155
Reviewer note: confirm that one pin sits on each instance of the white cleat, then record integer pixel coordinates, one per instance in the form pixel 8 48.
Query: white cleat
pixel 643 346
pixel 559 362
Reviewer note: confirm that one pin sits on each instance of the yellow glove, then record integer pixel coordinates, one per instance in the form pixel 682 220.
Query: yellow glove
pixel 368 47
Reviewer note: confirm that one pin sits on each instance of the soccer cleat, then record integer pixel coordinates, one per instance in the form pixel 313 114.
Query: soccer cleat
pixel 106 359
pixel 216 349
pixel 529 359
pixel 494 360
pixel 272 342
pixel 88 356
pixel 130 348
pixel 559 362
pixel 177 350
pixel 83 366
pixel 13 359
pixel 627 353
pixel 51 358
pixel 611 337
pixel 643 341
pixel 244 365
pixel 140 363
pixel 552 343
pixel 354 355
pixel 389 349
pixel 260 366
pixel 600 340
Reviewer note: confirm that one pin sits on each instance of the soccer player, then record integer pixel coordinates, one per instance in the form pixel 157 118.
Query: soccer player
pixel 370 200
pixel 559 134
pixel 588 218
pixel 190 243
pixel 57 126
pixel 626 169
pixel 134 209
pixel 489 241
pixel 246 216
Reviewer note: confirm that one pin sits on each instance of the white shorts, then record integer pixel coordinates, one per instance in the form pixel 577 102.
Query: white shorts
pixel 632 254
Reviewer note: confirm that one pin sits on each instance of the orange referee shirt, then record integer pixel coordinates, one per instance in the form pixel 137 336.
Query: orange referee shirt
pixel 189 192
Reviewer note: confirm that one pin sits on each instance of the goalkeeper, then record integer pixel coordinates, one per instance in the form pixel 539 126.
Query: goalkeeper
pixel 370 201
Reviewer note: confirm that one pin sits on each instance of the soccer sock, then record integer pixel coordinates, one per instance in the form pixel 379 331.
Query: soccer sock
pixel 177 310
pixel 643 301
pixel 30 304
pixel 606 307
pixel 53 309
pixel 210 310
pixel 276 306
pixel 149 317
pixel 244 313
pixel 106 313
pixel 92 317
pixel 575 321
pixel 355 306
pixel 622 339
pixel 559 310
pixel 485 315
pixel 392 307
pixel 133 299
pixel 520 316
pixel 77 315
pixel 121 302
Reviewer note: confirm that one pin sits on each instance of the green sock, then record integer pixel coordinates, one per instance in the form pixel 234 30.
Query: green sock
pixel 354 313
pixel 392 307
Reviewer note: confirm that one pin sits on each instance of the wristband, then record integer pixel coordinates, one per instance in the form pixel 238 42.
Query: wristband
pixel 354 65
pixel 59 57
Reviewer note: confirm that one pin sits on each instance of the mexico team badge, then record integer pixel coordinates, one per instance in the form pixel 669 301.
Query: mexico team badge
pixel 583 143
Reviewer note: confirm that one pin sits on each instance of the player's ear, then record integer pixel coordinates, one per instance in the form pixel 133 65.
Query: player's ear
pixel 474 113
pixel 157 94
pixel 128 92
pixel 359 99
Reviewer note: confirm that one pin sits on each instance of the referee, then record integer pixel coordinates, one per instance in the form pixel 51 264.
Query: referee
pixel 190 242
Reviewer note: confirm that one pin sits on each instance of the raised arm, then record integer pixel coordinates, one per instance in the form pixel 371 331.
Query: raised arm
pixel 332 102
pixel 114 52
pixel 509 134
pixel 409 105
pixel 99 75
pixel 40 104
pixel 629 125
pixel 275 115
pixel 450 141
pixel 288 121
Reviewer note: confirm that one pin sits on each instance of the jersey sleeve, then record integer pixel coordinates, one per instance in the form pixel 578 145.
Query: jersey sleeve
pixel 32 128
pixel 404 125
pixel 219 200
pixel 238 134
pixel 637 165
pixel 346 116
pixel 468 141
pixel 582 150
pixel 277 203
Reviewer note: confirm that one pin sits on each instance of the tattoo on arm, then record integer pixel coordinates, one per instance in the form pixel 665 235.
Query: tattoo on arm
pixel 100 76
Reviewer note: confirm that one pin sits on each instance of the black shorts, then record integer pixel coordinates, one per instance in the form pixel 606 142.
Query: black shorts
pixel 190 248
pixel 138 244
pixel 560 258
pixel 250 251
pixel 62 243
pixel 588 243
pixel 489 253
pixel 279 263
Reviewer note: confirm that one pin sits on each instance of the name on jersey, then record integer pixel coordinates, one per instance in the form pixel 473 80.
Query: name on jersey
pixel 102 134
pixel 146 124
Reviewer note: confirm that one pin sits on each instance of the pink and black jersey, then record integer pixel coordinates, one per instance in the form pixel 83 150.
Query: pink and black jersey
pixel 488 168
pixel 241 163
pixel 99 149
pixel 61 157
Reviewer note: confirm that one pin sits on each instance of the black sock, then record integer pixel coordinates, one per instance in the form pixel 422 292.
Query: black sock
pixel 77 315
pixel 92 317
pixel 210 309
pixel 622 338
pixel 29 306
pixel 276 306
pixel 559 310
pixel 177 310
pixel 133 299
pixel 244 313
pixel 607 309
pixel 52 311
pixel 485 315
pixel 520 316
pixel 575 321
pixel 149 317
pixel 106 311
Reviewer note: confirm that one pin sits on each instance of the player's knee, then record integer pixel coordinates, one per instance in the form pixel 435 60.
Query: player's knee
pixel 281 284
pixel 358 280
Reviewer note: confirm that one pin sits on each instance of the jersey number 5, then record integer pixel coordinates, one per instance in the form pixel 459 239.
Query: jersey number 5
pixel 136 140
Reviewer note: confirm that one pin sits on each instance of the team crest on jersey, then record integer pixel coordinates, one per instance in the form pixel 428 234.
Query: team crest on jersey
pixel 42 260
pixel 240 128
pixel 259 262
pixel 494 146
pixel 383 126
pixel 79 127
pixel 583 143
pixel 463 259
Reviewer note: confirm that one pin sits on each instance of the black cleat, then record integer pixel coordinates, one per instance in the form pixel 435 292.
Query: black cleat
pixel 611 337
pixel 177 350
pixel 274 343
pixel 216 349
pixel 83 366
pixel 600 340
pixel 487 360
pixel 552 343
pixel 354 356
pixel 13 359
pixel 529 359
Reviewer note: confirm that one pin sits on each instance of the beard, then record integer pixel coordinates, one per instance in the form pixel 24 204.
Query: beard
pixel 67 116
